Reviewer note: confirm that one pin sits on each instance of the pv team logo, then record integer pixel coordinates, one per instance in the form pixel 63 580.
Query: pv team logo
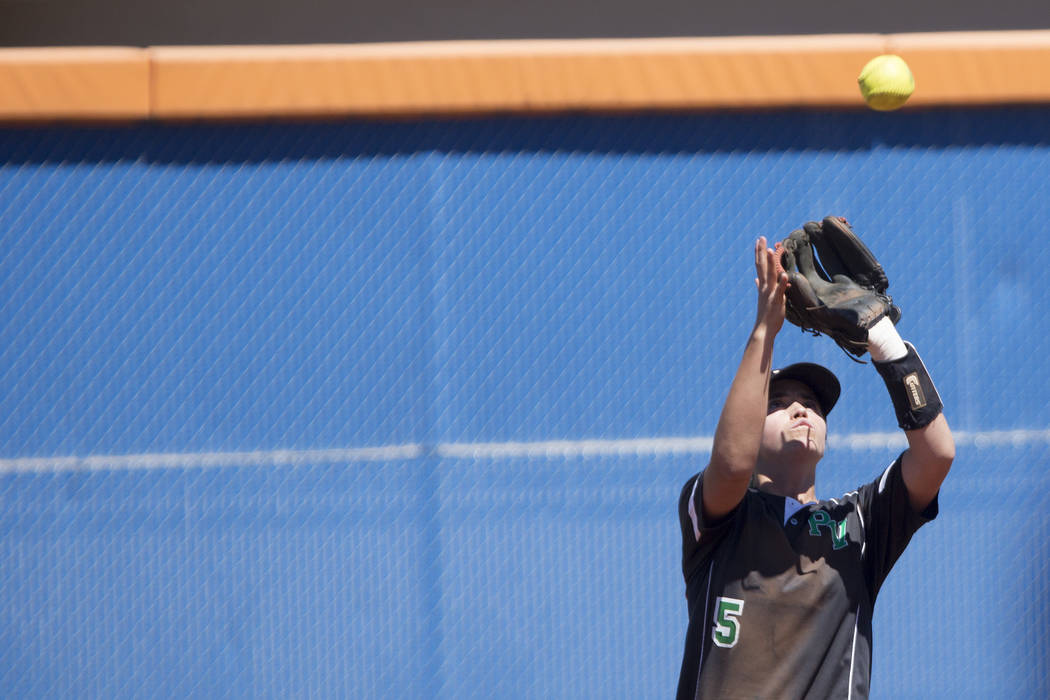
pixel 822 519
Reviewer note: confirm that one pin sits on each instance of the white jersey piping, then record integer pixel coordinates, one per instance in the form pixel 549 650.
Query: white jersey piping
pixel 853 652
pixel 704 628
pixel 692 510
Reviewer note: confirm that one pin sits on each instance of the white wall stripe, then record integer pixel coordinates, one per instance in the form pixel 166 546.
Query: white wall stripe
pixel 190 460
pixel 577 448
pixel 700 446
pixel 1002 438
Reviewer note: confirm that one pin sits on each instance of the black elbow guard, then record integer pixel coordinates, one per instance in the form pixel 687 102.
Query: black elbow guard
pixel 915 398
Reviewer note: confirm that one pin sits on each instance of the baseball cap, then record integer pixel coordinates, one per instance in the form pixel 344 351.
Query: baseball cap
pixel 820 379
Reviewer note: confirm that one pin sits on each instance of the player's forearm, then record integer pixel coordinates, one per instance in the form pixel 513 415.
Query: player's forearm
pixel 925 465
pixel 931 448
pixel 934 445
pixel 739 431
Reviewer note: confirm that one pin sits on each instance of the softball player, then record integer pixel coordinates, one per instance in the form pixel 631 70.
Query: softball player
pixel 781 585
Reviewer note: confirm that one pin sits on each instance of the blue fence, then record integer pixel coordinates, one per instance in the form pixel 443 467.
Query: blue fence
pixel 402 409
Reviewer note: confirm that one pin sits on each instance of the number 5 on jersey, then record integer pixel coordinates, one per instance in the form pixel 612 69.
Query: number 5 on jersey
pixel 726 630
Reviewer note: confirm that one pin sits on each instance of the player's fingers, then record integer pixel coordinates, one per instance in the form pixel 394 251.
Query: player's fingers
pixel 760 245
pixel 771 269
pixel 762 262
pixel 782 285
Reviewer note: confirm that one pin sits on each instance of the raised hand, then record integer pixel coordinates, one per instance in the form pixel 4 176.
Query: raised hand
pixel 772 283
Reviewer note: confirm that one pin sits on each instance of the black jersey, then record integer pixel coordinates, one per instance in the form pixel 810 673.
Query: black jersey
pixel 781 594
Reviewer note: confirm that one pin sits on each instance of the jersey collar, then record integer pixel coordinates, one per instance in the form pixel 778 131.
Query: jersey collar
pixel 791 506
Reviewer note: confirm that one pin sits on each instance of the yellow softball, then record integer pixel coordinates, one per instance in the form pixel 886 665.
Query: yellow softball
pixel 886 82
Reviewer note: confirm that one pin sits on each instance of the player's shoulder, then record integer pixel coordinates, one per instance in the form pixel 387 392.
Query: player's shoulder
pixel 689 490
pixel 687 487
pixel 885 479
pixel 847 497
pixel 843 503
pixel 693 488
pixel 865 492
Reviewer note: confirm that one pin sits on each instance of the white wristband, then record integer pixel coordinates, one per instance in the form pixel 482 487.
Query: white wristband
pixel 884 342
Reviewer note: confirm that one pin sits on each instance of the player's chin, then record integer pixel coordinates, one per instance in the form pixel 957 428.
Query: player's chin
pixel 807 443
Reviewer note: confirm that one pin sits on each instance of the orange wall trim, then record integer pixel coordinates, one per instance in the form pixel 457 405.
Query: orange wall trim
pixel 520 76
pixel 85 83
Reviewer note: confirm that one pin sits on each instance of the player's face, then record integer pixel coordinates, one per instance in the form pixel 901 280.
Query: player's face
pixel 794 419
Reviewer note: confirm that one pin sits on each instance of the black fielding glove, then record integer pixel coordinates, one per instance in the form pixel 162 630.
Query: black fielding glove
pixel 843 293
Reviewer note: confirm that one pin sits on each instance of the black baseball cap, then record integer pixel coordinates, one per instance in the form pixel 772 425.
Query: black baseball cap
pixel 820 379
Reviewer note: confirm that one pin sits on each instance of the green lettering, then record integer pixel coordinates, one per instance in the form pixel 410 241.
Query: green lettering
pixel 837 529
pixel 818 520
pixel 838 534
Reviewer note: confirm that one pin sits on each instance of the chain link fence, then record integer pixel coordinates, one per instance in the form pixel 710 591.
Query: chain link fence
pixel 403 409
